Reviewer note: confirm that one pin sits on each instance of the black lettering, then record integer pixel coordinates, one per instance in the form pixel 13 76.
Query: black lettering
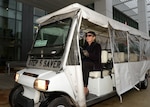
pixel 55 64
pixel 51 64
pixel 40 62
pixel 58 64
pixel 45 62
pixel 33 62
pixel 48 63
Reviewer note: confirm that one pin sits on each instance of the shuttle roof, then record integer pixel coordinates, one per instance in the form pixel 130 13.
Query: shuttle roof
pixel 95 18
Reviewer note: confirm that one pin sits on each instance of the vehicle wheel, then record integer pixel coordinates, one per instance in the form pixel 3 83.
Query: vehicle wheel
pixel 14 93
pixel 144 84
pixel 59 102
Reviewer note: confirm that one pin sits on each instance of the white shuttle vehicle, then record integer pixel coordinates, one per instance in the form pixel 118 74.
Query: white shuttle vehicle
pixel 53 76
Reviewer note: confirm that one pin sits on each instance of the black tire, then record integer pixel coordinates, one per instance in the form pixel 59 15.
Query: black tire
pixel 14 93
pixel 59 102
pixel 144 84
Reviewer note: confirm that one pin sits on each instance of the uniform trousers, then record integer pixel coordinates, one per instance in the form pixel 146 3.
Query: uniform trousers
pixel 87 66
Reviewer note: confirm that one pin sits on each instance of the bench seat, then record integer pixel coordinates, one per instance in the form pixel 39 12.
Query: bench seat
pixel 97 74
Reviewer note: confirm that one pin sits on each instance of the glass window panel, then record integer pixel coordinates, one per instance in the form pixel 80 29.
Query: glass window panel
pixel 10 28
pixel 1 3
pixel 35 18
pixel 2 11
pixel 19 16
pixel 11 14
pixel 7 13
pixel 8 4
pixel 1 32
pixel 1 22
pixel 18 29
pixel 12 4
pixel 5 3
pixel 119 16
pixel 11 23
pixel 19 6
pixel 39 12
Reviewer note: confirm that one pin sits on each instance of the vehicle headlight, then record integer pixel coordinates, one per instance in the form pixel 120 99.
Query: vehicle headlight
pixel 40 84
pixel 17 77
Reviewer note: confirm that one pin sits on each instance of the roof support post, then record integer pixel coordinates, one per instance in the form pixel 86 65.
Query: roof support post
pixel 142 16
pixel 104 7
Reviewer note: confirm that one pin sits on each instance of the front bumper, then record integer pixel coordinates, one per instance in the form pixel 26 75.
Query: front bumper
pixel 22 101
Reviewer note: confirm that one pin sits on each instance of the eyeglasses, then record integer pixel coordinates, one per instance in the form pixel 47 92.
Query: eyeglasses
pixel 89 35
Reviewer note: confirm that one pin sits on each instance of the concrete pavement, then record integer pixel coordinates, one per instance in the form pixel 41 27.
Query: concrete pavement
pixel 6 84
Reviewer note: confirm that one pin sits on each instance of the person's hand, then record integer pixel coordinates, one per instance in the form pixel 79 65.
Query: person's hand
pixel 86 53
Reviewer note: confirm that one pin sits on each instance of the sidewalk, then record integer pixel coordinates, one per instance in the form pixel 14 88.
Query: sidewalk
pixel 6 84
pixel 4 98
pixel 6 81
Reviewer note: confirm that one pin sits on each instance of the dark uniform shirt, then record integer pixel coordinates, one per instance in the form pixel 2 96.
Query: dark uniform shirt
pixel 94 51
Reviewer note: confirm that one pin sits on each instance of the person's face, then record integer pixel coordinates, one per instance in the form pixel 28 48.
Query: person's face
pixel 90 38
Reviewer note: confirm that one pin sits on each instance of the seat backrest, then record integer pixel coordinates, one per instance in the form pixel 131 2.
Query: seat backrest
pixel 104 56
pixel 119 57
pixel 133 57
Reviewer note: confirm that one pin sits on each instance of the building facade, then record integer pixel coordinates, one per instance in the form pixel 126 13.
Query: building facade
pixel 17 29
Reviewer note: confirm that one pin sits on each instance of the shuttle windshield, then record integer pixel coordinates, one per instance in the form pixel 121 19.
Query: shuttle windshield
pixel 51 40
